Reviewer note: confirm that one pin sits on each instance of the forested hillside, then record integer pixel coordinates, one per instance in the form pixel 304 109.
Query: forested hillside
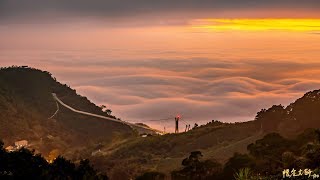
pixel 26 103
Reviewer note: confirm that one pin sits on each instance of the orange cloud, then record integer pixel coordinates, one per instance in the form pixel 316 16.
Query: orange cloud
pixel 301 25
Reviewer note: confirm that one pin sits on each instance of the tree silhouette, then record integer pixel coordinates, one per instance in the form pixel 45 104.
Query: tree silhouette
pixel 196 169
pixel 271 118
pixel 62 168
pixel 235 163
pixel 24 164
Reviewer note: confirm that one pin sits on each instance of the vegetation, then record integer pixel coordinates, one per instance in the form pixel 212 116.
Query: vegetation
pixel 26 103
pixel 291 120
pixel 24 164
pixel 267 159
pixel 288 143
pixel 165 153
pixel 193 168
pixel 278 138
pixel 243 174
pixel 271 118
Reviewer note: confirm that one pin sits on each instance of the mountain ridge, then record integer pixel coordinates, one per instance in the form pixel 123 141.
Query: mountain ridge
pixel 26 104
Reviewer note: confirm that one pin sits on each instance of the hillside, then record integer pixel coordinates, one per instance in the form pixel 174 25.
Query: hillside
pixel 216 140
pixel 26 103
pixel 295 118
pixel 164 153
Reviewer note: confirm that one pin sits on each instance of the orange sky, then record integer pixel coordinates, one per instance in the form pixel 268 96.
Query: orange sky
pixel 205 69
pixel 234 38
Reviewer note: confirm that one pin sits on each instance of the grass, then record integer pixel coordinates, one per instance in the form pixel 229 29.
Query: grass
pixel 243 174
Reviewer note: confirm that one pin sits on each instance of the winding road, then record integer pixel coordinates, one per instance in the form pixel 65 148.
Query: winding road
pixel 55 97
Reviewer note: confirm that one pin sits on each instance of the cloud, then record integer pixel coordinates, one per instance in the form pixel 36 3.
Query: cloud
pixel 259 24
pixel 199 89
pixel 105 95
pixel 227 96
pixel 120 8
pixel 306 85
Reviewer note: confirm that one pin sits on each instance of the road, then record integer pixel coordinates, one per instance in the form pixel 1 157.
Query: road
pixel 102 117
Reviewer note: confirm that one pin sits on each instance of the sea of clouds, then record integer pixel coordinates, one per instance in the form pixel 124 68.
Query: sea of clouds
pixel 199 89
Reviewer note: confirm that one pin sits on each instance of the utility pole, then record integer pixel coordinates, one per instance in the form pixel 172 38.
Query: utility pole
pixel 177 124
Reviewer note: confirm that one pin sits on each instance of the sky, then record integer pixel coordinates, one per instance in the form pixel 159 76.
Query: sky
pixel 150 60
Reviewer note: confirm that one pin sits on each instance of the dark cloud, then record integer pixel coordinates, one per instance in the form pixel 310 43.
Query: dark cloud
pixel 121 8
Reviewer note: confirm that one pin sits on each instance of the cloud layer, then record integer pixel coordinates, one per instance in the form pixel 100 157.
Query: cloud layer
pixel 38 9
pixel 154 72
pixel 198 89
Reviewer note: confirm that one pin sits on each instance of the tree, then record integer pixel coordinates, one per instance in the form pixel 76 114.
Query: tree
pixel 195 125
pixel 86 171
pixel 271 145
pixel 235 163
pixel 108 111
pixel 102 107
pixel 268 153
pixel 62 169
pixel 24 164
pixel 193 168
pixel 2 150
pixel 305 110
pixel 193 159
pixel 271 118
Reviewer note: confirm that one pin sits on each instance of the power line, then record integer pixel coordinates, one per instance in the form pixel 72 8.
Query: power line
pixel 160 119
pixel 184 122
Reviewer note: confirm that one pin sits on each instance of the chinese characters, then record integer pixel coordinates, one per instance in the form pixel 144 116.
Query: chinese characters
pixel 287 173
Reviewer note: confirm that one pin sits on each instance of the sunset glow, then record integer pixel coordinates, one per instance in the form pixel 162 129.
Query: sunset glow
pixel 258 24
pixel 215 59
pixel 167 89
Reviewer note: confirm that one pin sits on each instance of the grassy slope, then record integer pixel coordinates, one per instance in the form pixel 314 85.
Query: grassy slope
pixel 165 153
pixel 218 141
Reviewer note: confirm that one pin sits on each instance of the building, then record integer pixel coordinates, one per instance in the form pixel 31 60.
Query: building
pixel 20 144
pixel 10 148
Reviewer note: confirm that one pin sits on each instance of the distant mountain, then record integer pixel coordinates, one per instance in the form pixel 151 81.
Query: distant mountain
pixel 26 103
